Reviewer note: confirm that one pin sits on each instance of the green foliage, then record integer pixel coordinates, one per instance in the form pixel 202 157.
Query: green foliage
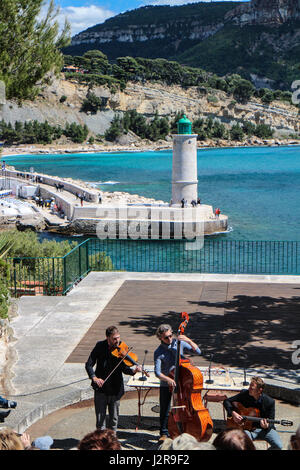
pixel 115 130
pixel 4 298
pixel 27 244
pixel 94 79
pixel 101 262
pixel 34 132
pixel 264 131
pixel 141 69
pixel 236 132
pixel 207 13
pixel 6 245
pixel 157 128
pixel 94 103
pixel 209 129
pixel 243 90
pixel 247 50
pixel 49 266
pixel 76 132
pixel 93 61
pixel 29 46
pixel 249 128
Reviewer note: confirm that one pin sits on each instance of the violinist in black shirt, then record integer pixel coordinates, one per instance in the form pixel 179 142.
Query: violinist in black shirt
pixel 107 379
pixel 255 398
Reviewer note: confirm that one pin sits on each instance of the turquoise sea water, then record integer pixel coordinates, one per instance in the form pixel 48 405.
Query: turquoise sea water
pixel 258 188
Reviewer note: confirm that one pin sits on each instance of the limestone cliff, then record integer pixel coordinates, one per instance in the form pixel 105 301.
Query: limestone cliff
pixel 268 12
pixel 148 99
pixel 183 26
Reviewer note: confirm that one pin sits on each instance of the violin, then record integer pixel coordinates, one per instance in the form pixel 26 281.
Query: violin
pixel 122 351
pixel 188 414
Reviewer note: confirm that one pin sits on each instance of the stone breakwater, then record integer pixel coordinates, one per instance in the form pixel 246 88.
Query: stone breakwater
pixel 76 207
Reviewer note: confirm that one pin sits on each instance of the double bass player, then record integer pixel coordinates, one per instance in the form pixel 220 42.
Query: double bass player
pixel 164 362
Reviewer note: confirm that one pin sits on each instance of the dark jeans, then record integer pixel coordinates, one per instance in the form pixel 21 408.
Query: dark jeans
pixel 103 402
pixel 165 401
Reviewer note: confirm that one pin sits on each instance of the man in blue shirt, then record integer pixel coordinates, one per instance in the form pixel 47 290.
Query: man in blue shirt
pixel 164 362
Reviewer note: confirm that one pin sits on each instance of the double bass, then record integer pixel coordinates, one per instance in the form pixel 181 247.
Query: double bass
pixel 187 413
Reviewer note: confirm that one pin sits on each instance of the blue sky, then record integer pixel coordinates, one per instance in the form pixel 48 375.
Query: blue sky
pixel 85 13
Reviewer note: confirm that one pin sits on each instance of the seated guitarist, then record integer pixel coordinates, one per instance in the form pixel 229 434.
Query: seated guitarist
pixel 255 398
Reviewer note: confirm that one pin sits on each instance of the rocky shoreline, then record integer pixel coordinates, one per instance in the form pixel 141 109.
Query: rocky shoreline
pixel 141 146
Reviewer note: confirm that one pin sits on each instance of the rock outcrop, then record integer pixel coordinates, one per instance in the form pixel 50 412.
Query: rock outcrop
pixel 148 99
pixel 267 12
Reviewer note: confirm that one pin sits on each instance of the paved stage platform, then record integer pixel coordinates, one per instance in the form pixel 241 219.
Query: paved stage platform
pixel 238 320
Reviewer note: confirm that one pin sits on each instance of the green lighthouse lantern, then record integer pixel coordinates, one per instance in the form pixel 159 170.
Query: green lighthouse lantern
pixel 184 125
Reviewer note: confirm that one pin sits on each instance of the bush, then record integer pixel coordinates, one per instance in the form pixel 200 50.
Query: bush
pixel 157 128
pixel 27 244
pixel 94 103
pixel 4 292
pixel 264 131
pixel 34 132
pixel 243 90
pixel 267 97
pixel 249 128
pixel 116 129
pixel 76 132
pixel 4 299
pixel 236 132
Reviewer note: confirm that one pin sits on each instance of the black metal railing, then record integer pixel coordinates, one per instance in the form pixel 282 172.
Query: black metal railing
pixel 56 276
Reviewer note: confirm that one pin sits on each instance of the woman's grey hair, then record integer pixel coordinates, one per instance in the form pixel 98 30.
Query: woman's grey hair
pixel 185 442
pixel 162 329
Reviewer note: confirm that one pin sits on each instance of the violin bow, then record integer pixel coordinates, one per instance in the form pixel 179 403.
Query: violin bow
pixel 119 363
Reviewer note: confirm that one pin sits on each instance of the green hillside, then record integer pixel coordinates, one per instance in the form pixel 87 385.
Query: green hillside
pixel 208 13
pixel 252 51
pixel 268 51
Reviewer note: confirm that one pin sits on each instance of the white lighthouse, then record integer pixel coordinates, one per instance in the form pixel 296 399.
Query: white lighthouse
pixel 184 170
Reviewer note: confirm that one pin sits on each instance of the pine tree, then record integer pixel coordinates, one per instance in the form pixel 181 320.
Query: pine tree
pixel 29 46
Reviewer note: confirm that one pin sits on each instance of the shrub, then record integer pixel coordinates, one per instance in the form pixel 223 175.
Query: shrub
pixel 94 103
pixel 236 132
pixel 264 131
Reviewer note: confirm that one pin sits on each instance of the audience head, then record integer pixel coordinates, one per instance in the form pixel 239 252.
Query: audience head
pixel 233 439
pixel 100 440
pixel 295 440
pixel 9 440
pixel 185 442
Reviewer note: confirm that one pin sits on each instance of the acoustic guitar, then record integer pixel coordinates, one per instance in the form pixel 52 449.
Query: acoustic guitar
pixel 251 418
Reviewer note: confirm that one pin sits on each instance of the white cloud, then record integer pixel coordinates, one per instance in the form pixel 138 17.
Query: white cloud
pixel 82 18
